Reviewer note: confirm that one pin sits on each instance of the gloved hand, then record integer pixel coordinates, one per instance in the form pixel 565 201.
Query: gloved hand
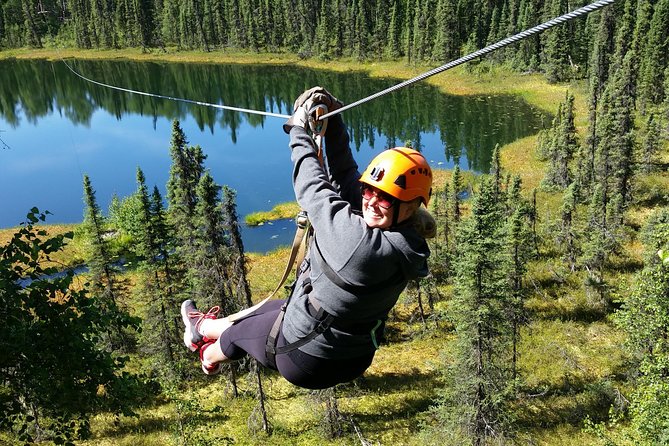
pixel 306 103
pixel 315 96
pixel 300 118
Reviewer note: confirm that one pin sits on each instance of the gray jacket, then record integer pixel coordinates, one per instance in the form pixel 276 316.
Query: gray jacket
pixel 377 263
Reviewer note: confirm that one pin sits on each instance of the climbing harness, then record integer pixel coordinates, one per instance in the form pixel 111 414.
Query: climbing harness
pixel 325 320
pixel 501 44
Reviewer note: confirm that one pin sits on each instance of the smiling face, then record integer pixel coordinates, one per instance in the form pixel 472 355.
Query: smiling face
pixel 377 207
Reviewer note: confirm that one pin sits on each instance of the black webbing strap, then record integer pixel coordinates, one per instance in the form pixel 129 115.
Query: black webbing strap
pixel 271 350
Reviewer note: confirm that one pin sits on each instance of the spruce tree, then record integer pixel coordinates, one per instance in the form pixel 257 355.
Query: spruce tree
pixel 408 40
pixel 440 259
pixel 597 244
pixel 239 266
pixel 651 143
pixel 146 240
pixel 615 134
pixel 447 40
pixel 210 269
pixel 556 52
pixel 567 237
pixel 105 286
pixel 527 55
pixel 162 235
pixel 656 54
pixel 475 406
pixel 361 29
pixel 393 44
pixel 563 146
pixel 33 34
pixel 544 149
pixel 520 248
pixel 324 47
pixel 185 172
pixel 242 287
pixel 160 336
pixel 454 198
pixel 496 171
pixel 379 28
pixel 598 70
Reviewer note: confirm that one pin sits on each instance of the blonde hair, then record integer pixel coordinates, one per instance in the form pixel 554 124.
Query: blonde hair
pixel 424 223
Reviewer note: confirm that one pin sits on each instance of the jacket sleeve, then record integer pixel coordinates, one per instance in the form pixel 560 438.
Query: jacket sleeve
pixel 328 211
pixel 343 169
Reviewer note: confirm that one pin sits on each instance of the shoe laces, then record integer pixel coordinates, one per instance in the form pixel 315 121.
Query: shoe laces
pixel 211 314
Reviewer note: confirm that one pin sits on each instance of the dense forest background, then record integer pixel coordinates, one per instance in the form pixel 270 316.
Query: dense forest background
pixel 519 294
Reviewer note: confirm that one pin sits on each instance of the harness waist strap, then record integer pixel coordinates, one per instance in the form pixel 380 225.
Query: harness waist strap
pixel 350 327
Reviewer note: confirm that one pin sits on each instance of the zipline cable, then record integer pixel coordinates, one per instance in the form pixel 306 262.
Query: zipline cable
pixel 483 51
pixel 172 98
pixel 3 144
pixel 495 46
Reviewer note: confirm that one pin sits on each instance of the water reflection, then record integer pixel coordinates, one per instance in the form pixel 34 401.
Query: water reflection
pixel 60 127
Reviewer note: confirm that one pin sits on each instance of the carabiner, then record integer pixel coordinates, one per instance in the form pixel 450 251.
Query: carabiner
pixel 317 125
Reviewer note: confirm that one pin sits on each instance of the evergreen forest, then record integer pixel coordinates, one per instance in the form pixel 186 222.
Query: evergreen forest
pixel 544 321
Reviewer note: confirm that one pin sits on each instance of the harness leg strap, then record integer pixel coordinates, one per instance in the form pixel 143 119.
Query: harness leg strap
pixel 273 337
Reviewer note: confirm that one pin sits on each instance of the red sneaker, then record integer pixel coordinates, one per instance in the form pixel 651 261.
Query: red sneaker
pixel 192 319
pixel 209 368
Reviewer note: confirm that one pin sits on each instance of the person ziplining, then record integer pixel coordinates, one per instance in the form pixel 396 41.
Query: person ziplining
pixel 369 240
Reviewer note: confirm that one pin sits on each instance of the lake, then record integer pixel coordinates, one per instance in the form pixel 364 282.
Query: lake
pixel 57 127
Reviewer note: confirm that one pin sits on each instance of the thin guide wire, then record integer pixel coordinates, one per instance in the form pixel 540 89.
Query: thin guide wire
pixel 171 98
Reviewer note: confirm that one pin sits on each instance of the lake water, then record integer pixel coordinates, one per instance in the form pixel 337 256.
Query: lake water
pixel 57 127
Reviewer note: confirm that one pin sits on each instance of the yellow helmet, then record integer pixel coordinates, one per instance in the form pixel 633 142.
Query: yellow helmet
pixel 401 172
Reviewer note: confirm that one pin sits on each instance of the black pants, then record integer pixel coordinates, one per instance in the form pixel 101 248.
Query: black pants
pixel 249 336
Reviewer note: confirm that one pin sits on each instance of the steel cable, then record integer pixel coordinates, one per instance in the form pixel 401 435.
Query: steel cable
pixel 502 43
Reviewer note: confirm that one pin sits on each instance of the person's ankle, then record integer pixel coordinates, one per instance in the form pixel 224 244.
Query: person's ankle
pixel 211 365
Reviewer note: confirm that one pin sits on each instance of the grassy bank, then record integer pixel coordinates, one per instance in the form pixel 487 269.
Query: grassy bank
pixel 282 210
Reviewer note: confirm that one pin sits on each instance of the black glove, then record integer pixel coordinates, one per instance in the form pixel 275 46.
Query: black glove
pixel 306 103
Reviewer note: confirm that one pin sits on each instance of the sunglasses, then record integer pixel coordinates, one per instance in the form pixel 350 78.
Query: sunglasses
pixel 382 199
